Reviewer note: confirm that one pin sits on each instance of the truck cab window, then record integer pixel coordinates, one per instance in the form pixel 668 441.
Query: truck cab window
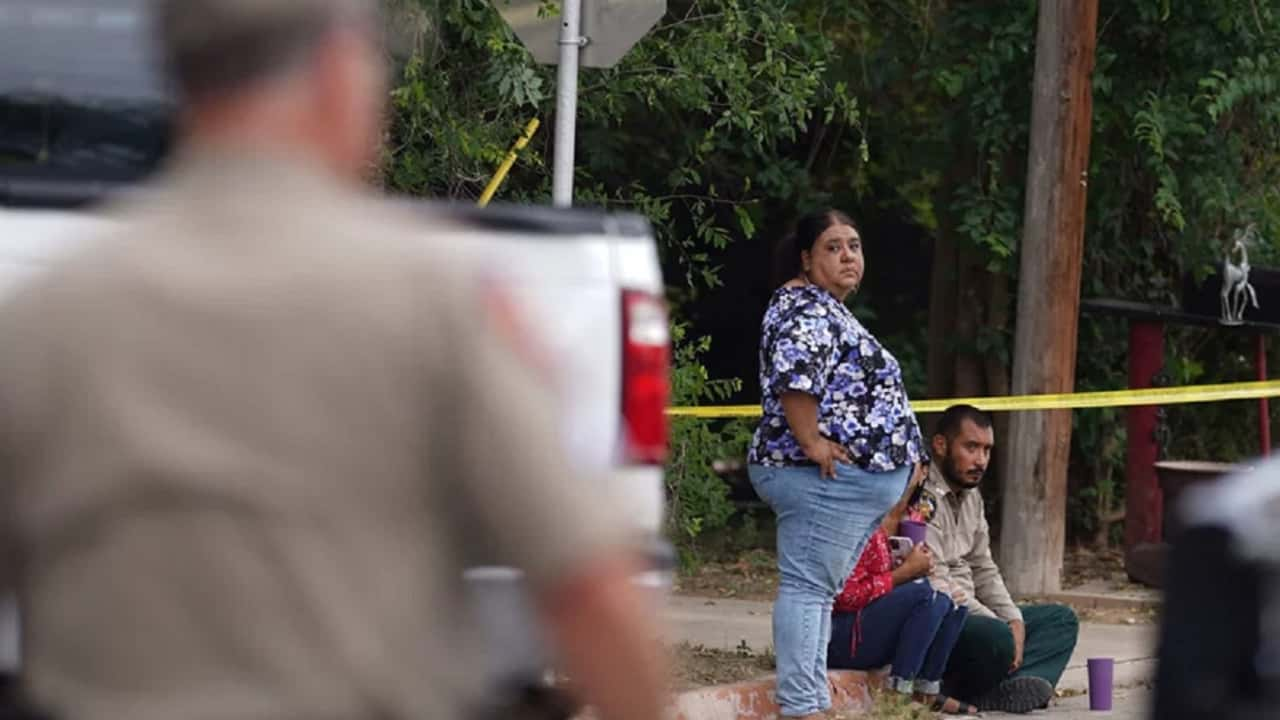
pixel 81 99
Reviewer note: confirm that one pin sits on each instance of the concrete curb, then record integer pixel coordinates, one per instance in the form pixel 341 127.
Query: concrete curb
pixel 1095 601
pixel 754 699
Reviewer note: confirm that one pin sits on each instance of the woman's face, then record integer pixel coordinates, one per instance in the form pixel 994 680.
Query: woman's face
pixel 835 261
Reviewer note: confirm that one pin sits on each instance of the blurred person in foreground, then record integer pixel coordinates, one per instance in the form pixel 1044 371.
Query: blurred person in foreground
pixel 249 438
pixel 1219 654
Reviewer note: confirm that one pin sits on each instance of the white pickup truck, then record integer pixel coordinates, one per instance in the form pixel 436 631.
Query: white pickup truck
pixel 82 118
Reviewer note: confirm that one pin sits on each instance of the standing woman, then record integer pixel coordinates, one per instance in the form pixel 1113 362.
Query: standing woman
pixel 835 448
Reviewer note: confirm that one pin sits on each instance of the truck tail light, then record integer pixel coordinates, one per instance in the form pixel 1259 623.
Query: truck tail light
pixel 646 381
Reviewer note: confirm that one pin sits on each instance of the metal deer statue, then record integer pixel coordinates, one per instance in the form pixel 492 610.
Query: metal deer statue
pixel 1237 292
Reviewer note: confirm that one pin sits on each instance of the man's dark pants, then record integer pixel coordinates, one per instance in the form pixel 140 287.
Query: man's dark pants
pixel 984 652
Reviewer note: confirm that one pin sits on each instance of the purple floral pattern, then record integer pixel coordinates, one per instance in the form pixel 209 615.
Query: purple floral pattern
pixel 813 344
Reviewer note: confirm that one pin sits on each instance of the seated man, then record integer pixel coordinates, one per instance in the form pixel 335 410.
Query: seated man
pixel 1007 658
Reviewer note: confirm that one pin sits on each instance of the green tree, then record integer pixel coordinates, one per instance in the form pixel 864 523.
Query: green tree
pixel 1184 152
pixel 698 127
pixel 733 114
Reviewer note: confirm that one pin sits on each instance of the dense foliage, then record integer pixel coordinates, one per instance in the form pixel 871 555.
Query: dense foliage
pixel 733 113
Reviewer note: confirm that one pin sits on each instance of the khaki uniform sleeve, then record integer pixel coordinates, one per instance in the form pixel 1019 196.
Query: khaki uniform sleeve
pixel 989 590
pixel 935 539
pixel 520 496
pixel 977 609
pixel 23 362
pixel 937 531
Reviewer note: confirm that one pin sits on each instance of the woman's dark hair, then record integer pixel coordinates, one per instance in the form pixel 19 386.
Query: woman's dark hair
pixel 787 257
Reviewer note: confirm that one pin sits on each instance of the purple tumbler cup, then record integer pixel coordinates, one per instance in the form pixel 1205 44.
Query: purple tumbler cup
pixel 913 529
pixel 1101 676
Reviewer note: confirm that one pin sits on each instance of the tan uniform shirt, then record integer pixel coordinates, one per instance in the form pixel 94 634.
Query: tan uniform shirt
pixel 248 444
pixel 960 540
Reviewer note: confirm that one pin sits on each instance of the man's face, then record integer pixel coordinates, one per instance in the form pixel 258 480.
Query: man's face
pixel 964 458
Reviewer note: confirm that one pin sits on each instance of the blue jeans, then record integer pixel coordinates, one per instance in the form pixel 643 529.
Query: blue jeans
pixel 913 628
pixel 823 525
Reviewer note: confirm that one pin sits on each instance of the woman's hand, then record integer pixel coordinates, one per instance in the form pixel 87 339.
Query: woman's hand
pixel 919 562
pixel 826 454
pixel 899 510
pixel 917 478
pixel 802 417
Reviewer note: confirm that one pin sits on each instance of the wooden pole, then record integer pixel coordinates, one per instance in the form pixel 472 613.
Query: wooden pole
pixel 1039 443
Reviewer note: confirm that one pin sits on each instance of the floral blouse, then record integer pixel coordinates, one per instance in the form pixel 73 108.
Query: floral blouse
pixel 812 343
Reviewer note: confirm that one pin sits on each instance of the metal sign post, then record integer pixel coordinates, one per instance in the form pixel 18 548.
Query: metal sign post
pixel 571 43
pixel 591 33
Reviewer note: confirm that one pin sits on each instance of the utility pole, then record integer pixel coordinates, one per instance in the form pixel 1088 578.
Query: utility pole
pixel 1039 443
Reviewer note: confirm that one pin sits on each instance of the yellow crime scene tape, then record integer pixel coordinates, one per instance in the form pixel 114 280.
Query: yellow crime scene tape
pixel 1180 395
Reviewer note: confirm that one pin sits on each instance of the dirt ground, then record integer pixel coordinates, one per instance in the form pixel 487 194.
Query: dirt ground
pixel 1083 565
pixel 753 575
pixel 697 666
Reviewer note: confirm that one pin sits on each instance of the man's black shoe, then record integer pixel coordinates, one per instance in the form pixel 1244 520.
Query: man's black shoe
pixel 1017 695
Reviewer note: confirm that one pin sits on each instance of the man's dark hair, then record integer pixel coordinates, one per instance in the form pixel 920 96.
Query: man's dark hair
pixel 953 419
pixel 215 46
